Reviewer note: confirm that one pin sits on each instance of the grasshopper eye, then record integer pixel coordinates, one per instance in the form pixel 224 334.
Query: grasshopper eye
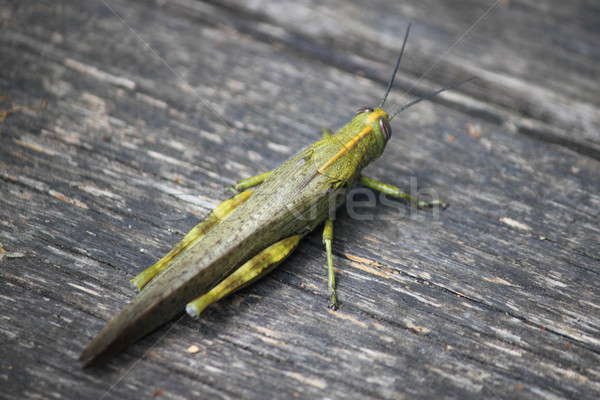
pixel 364 110
pixel 386 129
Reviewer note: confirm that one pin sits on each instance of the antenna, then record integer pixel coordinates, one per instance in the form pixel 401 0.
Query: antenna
pixel 391 82
pixel 432 95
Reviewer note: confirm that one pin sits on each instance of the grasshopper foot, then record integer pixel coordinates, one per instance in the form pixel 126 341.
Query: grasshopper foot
pixel 333 303
pixel 233 189
pixel 431 204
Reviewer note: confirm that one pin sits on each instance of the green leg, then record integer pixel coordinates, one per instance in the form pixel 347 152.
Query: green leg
pixel 327 240
pixel 251 182
pixel 253 269
pixel 326 132
pixel 193 236
pixel 393 191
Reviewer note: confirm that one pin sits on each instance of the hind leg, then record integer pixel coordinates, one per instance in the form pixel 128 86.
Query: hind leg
pixel 255 268
pixel 193 236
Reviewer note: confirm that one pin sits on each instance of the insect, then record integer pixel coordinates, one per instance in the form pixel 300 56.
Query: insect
pixel 249 234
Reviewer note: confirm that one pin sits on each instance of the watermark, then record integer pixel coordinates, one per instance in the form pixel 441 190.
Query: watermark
pixel 358 203
pixel 365 204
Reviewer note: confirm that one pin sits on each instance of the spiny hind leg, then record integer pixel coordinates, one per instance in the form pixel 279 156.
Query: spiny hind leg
pixel 394 191
pixel 219 213
pixel 327 240
pixel 193 236
pixel 253 269
pixel 251 182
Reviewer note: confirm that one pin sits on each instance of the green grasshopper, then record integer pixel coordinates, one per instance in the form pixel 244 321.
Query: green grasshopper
pixel 248 235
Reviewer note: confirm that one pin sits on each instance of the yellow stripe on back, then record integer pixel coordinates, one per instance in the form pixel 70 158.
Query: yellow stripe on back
pixel 372 117
pixel 346 147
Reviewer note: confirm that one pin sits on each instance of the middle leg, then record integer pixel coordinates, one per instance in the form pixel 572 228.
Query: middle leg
pixel 393 191
pixel 327 240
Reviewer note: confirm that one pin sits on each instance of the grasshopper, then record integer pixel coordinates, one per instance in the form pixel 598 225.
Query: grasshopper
pixel 251 233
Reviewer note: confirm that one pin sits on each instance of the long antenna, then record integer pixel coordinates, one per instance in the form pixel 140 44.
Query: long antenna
pixel 432 95
pixel 391 83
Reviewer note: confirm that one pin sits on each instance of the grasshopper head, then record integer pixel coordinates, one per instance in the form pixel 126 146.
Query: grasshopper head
pixel 378 119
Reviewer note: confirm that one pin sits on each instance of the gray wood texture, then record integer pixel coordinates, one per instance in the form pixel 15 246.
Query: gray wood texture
pixel 495 297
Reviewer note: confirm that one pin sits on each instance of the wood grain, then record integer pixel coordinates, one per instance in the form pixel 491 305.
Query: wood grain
pixel 155 107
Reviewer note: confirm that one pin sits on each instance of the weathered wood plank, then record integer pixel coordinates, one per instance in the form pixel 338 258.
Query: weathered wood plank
pixel 534 79
pixel 494 297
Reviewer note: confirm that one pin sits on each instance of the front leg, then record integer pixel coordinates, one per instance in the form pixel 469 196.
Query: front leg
pixel 393 191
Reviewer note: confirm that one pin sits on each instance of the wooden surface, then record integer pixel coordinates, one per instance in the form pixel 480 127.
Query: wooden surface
pixel 495 297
